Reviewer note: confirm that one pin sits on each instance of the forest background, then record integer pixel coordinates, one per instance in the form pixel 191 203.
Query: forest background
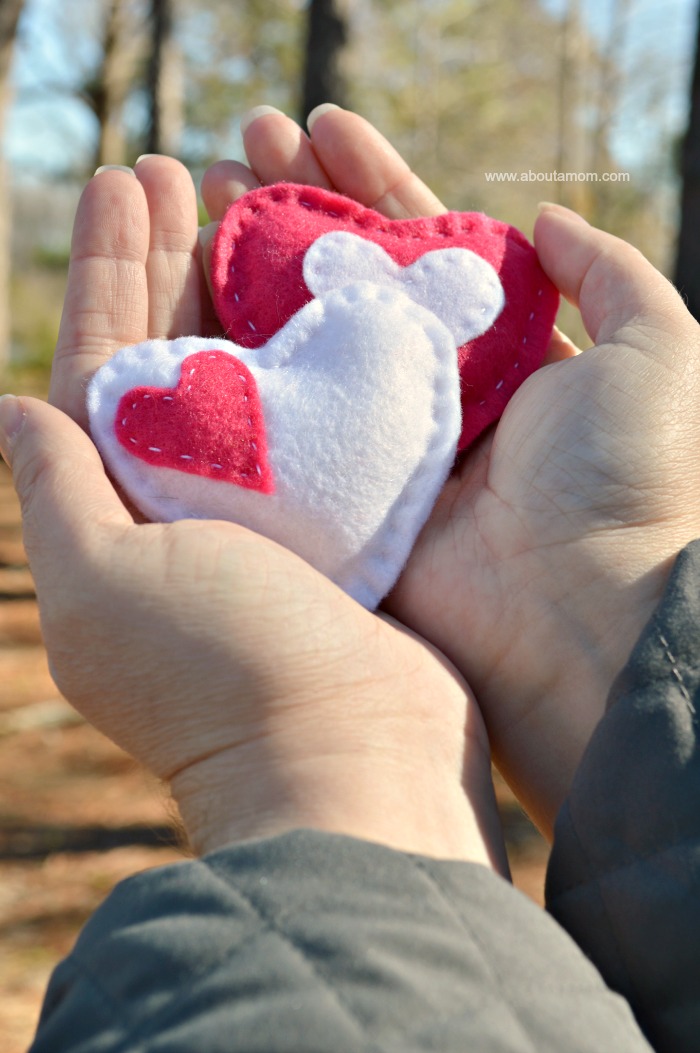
pixel 595 91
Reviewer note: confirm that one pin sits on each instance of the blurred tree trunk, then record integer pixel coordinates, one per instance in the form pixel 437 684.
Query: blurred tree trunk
pixel 107 94
pixel 327 37
pixel 687 272
pixel 607 104
pixel 10 10
pixel 163 82
pixel 573 63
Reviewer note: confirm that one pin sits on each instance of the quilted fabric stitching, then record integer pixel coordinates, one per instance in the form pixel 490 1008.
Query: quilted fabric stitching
pixel 134 1033
pixel 272 924
pixel 614 871
pixel 491 968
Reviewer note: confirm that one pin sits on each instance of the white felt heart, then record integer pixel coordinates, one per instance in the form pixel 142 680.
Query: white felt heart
pixel 361 405
pixel 456 285
pixel 333 438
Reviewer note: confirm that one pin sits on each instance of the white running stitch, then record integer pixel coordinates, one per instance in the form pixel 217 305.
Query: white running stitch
pixel 676 672
pixel 415 234
pixel 516 365
pixel 190 457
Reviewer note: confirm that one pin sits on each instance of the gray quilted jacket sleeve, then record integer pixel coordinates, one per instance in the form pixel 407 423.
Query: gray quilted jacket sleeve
pixel 624 873
pixel 316 943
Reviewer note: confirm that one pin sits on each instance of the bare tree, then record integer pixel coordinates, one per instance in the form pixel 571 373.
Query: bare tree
pixel 607 101
pixel 163 82
pixel 608 89
pixel 687 270
pixel 327 38
pixel 10 10
pixel 574 60
pixel 107 91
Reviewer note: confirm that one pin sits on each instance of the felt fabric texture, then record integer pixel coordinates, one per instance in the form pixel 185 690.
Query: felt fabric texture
pixel 436 281
pixel 211 424
pixel 330 417
pixel 359 394
pixel 258 281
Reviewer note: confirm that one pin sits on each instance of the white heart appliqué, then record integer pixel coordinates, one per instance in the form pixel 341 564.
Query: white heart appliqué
pixel 361 404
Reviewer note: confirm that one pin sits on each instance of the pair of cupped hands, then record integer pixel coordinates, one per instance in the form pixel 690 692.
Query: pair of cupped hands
pixel 262 694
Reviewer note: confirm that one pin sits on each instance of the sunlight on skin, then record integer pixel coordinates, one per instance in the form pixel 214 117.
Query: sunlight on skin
pixel 589 595
pixel 134 275
pixel 539 566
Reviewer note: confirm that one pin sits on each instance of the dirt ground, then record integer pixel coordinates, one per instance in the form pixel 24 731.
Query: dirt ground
pixel 76 814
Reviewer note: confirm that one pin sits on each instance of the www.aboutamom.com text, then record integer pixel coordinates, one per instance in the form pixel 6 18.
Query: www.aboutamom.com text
pixel 556 177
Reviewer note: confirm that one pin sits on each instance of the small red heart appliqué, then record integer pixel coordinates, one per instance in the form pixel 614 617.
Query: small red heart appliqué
pixel 258 283
pixel 211 424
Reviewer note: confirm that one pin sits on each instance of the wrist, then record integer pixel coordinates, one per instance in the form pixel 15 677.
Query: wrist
pixel 396 782
pixel 556 679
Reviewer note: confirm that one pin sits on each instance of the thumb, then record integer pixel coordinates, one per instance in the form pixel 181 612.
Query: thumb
pixel 610 282
pixel 61 483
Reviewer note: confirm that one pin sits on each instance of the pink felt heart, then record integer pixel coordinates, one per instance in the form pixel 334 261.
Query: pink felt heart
pixel 258 283
pixel 210 424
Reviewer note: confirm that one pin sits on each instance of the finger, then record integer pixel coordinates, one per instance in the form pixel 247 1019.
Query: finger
pixel 64 492
pixel 560 347
pixel 210 325
pixel 224 183
pixel 206 242
pixel 106 304
pixel 174 293
pixel 610 282
pixel 277 149
pixel 362 164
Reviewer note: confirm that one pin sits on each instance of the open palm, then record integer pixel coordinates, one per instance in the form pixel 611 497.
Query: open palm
pixel 550 544
pixel 549 548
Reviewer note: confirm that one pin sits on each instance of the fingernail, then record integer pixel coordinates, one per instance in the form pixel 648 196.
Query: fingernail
pixel 143 157
pixel 568 213
pixel 12 417
pixel 318 111
pixel 114 168
pixel 252 115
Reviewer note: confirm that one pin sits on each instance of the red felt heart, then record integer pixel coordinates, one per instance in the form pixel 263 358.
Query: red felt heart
pixel 211 424
pixel 257 280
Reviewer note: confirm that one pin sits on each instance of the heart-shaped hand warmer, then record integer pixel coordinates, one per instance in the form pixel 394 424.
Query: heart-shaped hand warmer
pixel 332 422
pixel 257 266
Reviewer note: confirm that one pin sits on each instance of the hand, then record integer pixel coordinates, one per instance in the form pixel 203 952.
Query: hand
pixel 549 547
pixel 263 694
